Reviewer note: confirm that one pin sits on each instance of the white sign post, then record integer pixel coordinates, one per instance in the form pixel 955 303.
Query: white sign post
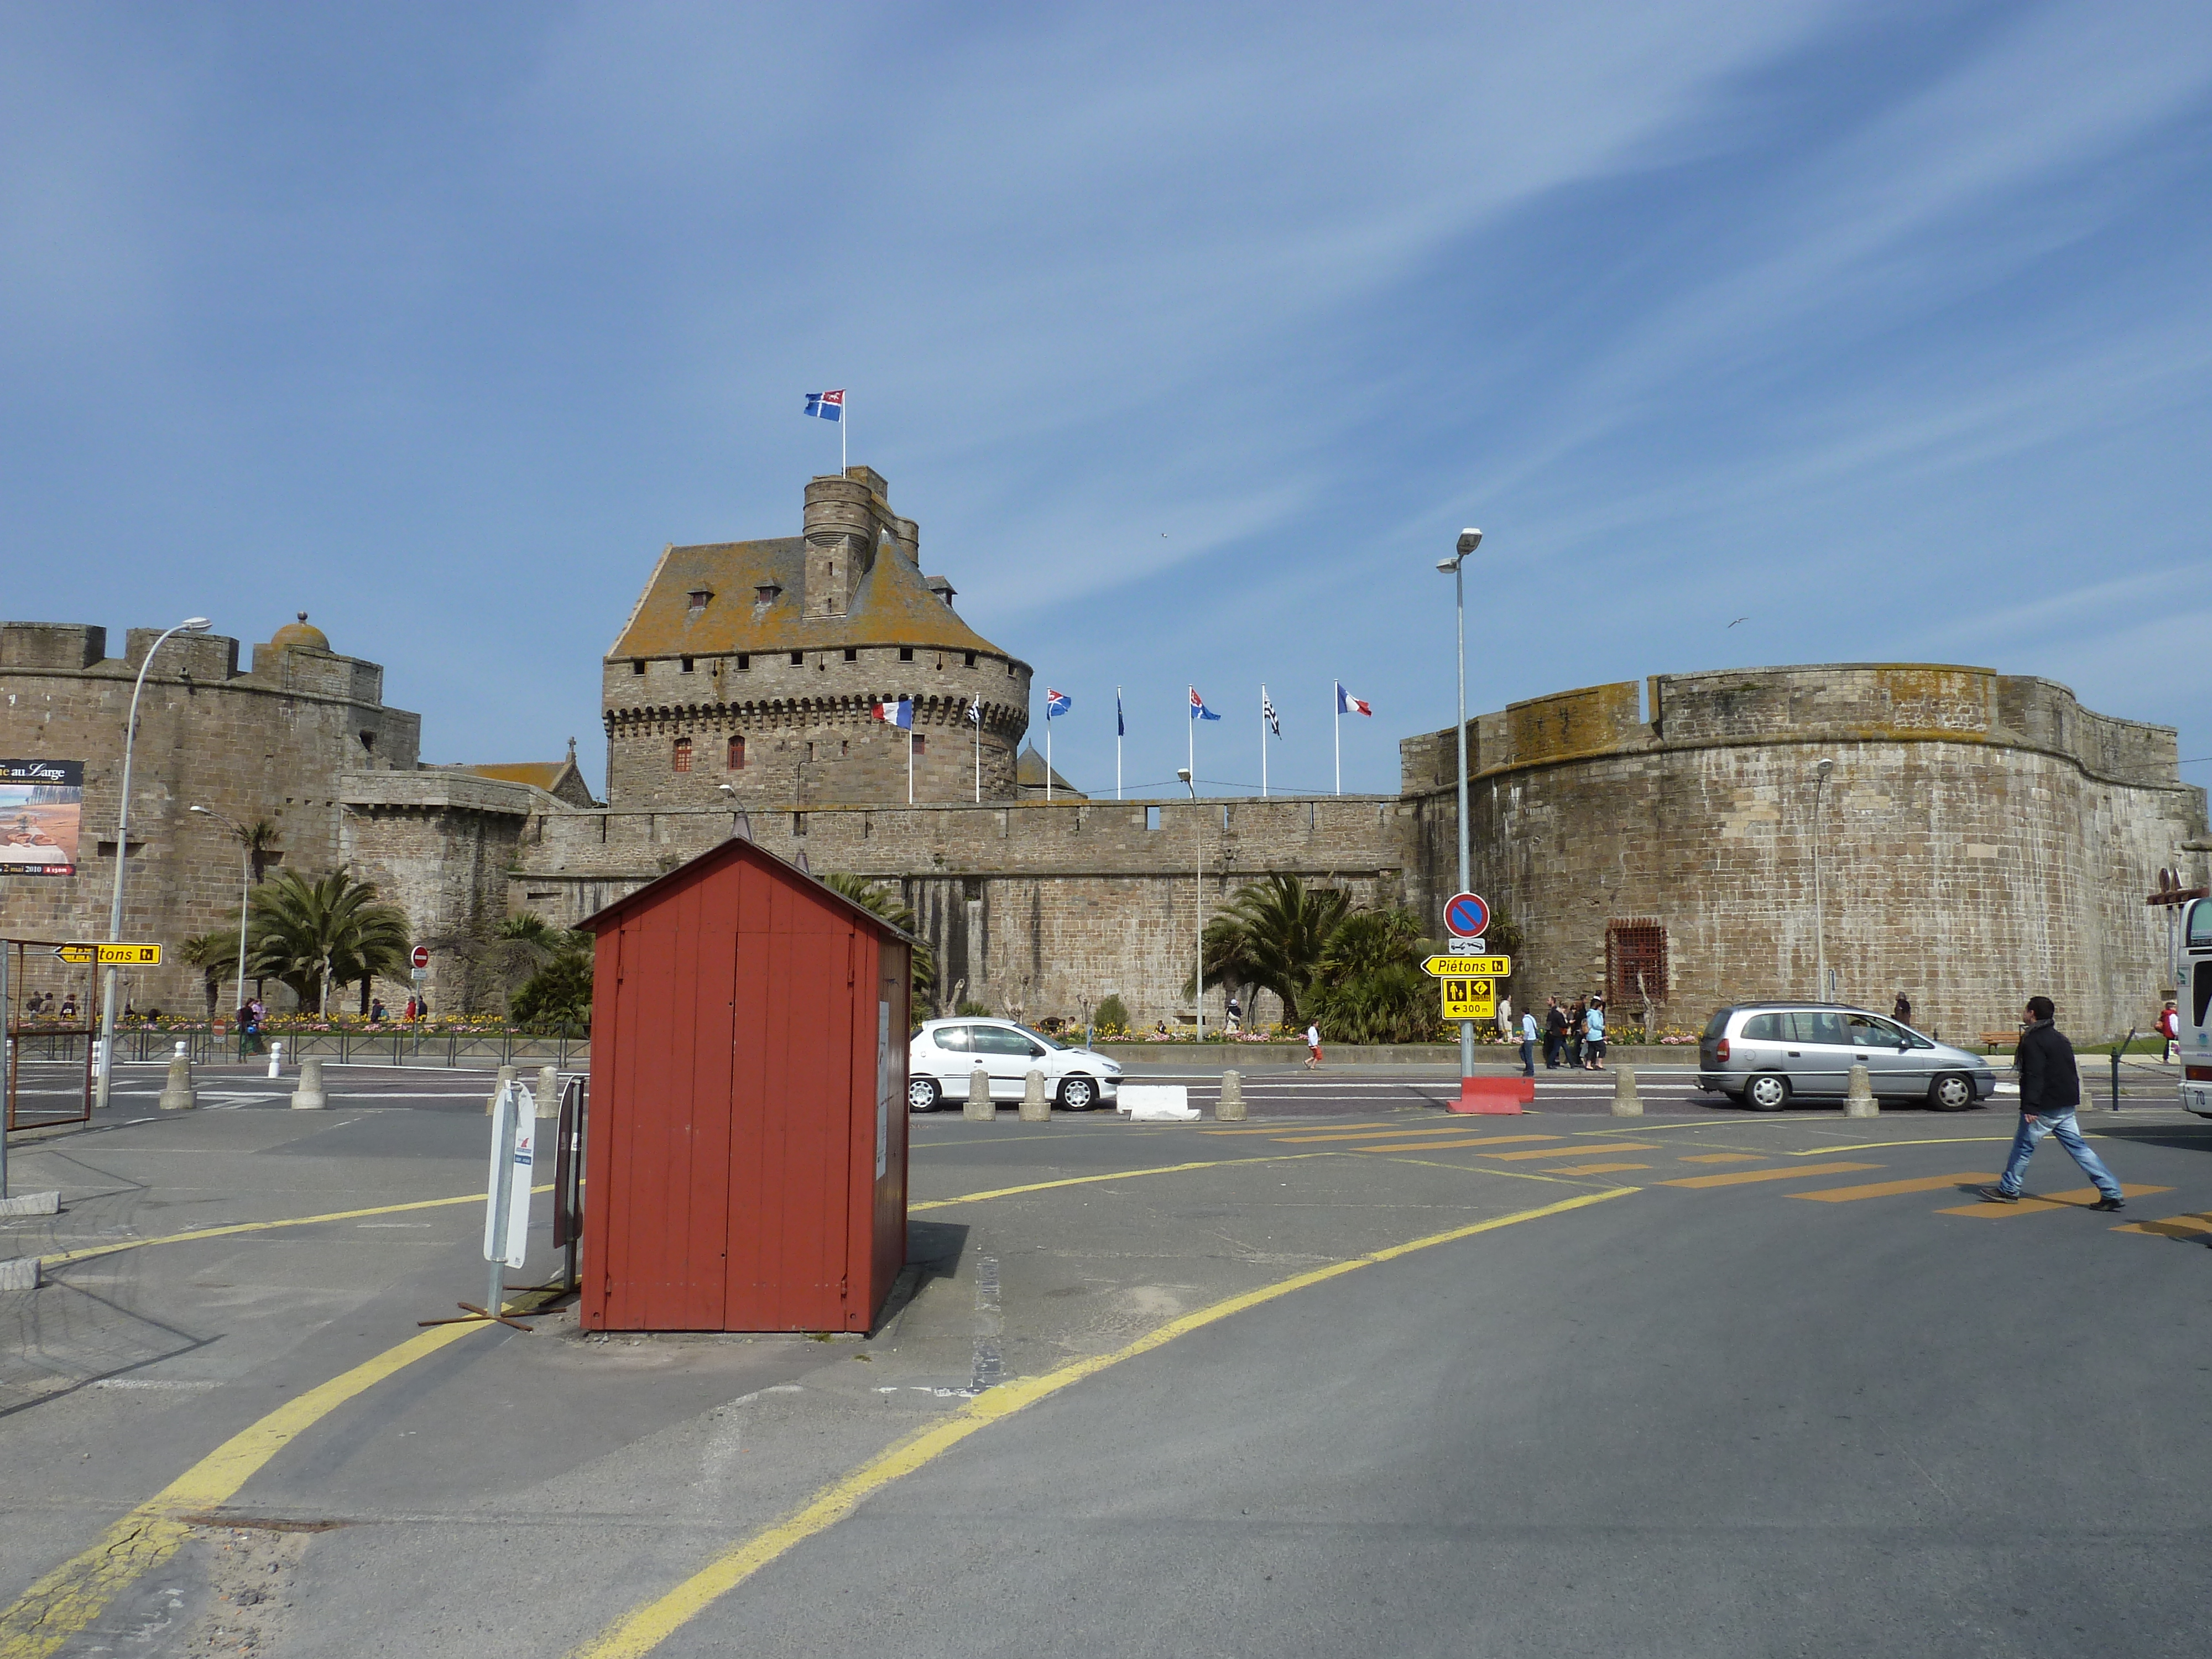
pixel 507 1190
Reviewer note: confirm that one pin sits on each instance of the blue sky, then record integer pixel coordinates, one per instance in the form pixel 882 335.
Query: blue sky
pixel 1191 335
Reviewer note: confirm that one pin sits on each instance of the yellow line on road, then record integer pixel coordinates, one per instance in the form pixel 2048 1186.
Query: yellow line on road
pixel 1473 1141
pixel 1894 1145
pixel 1400 1129
pixel 1573 1152
pixel 640 1631
pixel 61 1257
pixel 1595 1169
pixel 1741 1177
pixel 1892 1189
pixel 75 1595
pixel 1119 1175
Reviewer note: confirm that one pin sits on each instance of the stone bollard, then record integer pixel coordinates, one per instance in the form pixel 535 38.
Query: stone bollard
pixel 499 1085
pixel 276 1057
pixel 548 1091
pixel 1626 1102
pixel 979 1108
pixel 1230 1106
pixel 178 1094
pixel 309 1096
pixel 1858 1099
pixel 1037 1105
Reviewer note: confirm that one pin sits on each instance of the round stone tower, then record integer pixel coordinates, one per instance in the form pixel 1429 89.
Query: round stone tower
pixel 750 674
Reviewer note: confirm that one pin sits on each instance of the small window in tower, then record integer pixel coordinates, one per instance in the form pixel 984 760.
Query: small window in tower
pixel 687 664
pixel 744 663
pixel 737 759
pixel 906 653
pixel 1151 817
pixel 968 659
pixel 696 599
pixel 798 660
pixel 637 665
pixel 844 747
pixel 920 744
pixel 765 593
pixel 851 654
pixel 680 759
pixel 1010 671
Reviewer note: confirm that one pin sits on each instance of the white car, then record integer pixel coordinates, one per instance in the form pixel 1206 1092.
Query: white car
pixel 945 1051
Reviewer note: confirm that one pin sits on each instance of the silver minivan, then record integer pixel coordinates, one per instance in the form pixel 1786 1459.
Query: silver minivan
pixel 1764 1053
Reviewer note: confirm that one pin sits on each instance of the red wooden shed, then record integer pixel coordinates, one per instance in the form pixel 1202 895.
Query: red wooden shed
pixel 745 1165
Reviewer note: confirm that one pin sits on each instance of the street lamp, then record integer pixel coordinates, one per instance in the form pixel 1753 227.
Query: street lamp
pixel 1468 541
pixel 189 625
pixel 738 815
pixel 245 886
pixel 1820 770
pixel 1198 910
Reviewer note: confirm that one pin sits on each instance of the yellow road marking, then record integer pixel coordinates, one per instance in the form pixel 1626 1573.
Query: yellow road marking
pixel 1892 1188
pixel 2173 1226
pixel 75 1595
pixel 1085 1181
pixel 1892 1145
pixel 60 1257
pixel 1741 1177
pixel 2037 1203
pixel 1596 1169
pixel 643 1628
pixel 1722 1158
pixel 1575 1151
pixel 1469 1141
pixel 1402 1129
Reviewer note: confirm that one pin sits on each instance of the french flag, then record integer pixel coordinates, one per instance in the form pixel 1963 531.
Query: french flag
pixel 1348 704
pixel 829 405
pixel 897 713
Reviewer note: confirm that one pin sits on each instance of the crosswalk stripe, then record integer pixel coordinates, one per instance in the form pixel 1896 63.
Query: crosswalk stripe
pixel 1471 1140
pixel 1403 1129
pixel 1595 1169
pixel 1892 1188
pixel 1723 1157
pixel 2173 1226
pixel 1578 1151
pixel 2036 1203
pixel 1740 1177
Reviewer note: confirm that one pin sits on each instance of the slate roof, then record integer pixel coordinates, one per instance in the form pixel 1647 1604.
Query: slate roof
pixel 892 604
pixel 1028 774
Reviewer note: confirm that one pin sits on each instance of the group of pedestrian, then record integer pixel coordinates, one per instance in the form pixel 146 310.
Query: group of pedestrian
pixel 1573 1036
pixel 251 1014
pixel 41 1006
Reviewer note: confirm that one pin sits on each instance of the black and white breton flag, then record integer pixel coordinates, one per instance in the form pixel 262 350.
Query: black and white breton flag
pixel 1267 713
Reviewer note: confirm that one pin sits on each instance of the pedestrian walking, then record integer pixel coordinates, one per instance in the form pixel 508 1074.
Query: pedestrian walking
pixel 1313 1046
pixel 1235 1015
pixel 2050 1090
pixel 1594 1035
pixel 1505 1026
pixel 68 1006
pixel 1903 1012
pixel 1574 1033
pixel 1555 1034
pixel 376 1012
pixel 1527 1045
pixel 2169 1027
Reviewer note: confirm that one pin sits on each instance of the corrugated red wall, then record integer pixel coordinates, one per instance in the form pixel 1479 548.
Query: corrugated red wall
pixel 746 1169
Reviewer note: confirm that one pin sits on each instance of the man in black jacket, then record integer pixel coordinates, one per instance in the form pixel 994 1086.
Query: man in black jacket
pixel 2050 1089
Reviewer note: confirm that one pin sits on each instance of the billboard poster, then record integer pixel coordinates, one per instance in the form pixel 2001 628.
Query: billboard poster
pixel 41 814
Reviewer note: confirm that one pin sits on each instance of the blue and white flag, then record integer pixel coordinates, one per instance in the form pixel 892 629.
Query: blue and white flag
pixel 829 405
pixel 896 714
pixel 1199 711
pixel 1120 729
pixel 1056 703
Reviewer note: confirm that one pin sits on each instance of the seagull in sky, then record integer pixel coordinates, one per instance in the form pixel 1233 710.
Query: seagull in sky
pixel 1733 624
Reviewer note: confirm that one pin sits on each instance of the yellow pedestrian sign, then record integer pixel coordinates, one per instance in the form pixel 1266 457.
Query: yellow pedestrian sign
pixel 121 955
pixel 1469 998
pixel 1468 967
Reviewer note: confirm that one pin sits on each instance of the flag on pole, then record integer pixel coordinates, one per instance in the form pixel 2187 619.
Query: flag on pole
pixel 897 713
pixel 829 405
pixel 1267 713
pixel 1056 703
pixel 1348 704
pixel 1120 727
pixel 1199 711
pixel 976 710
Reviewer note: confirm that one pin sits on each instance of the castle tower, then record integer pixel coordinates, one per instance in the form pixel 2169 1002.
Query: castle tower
pixel 756 665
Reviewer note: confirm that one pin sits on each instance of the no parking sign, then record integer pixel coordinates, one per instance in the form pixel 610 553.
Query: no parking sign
pixel 1466 915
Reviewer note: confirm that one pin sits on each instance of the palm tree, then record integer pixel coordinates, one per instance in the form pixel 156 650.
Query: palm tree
pixel 1273 935
pixel 261 848
pixel 215 955
pixel 314 935
pixel 881 901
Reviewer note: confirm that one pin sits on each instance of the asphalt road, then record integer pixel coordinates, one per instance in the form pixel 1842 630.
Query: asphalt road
pixel 1779 1386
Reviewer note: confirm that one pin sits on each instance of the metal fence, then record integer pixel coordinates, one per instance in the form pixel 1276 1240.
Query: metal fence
pixel 436 1048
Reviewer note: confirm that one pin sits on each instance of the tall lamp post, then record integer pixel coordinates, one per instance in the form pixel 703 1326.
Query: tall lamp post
pixel 1820 770
pixel 1468 541
pixel 189 625
pixel 1198 910
pixel 245 885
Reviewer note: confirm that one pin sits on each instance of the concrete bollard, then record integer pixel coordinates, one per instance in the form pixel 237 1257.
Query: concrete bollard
pixel 276 1057
pixel 979 1108
pixel 20 1273
pixel 1037 1105
pixel 1858 1099
pixel 32 1204
pixel 309 1096
pixel 1626 1102
pixel 1230 1107
pixel 178 1094
pixel 548 1091
pixel 499 1086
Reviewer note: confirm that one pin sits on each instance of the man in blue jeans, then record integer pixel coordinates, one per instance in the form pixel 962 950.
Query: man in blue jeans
pixel 2050 1089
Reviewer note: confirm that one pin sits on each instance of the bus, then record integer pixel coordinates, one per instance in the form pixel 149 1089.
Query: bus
pixel 2192 1000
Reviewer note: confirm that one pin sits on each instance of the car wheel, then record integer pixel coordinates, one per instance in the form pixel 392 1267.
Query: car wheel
pixel 1767 1093
pixel 1078 1094
pixel 922 1094
pixel 1951 1092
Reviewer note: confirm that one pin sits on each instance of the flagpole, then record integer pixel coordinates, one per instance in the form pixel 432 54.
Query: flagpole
pixel 1117 743
pixel 1048 746
pixel 977 711
pixel 841 469
pixel 1336 702
pixel 1263 742
pixel 909 758
pixel 1193 744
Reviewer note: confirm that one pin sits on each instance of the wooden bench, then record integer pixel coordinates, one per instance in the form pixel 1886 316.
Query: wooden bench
pixel 1994 1040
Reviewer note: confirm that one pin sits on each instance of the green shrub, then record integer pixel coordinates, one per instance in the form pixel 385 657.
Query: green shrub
pixel 1110 1015
pixel 973 1010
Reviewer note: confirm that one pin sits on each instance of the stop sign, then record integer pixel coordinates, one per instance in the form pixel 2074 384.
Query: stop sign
pixel 422 957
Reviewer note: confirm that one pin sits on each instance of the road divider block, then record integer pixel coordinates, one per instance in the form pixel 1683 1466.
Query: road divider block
pixel 1230 1106
pixel 1155 1102
pixel 1626 1102
pixel 506 1075
pixel 1492 1096
pixel 309 1095
pixel 1858 1096
pixel 178 1094
pixel 978 1109
pixel 1037 1105
pixel 32 1204
pixel 548 1091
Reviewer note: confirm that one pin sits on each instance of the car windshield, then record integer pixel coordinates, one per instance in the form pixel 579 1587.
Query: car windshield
pixel 1049 1043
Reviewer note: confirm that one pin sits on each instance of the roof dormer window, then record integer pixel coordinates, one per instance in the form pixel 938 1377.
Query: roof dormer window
pixel 697 598
pixel 767 593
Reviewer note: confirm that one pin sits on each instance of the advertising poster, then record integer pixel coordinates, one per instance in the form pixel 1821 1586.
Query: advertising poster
pixel 41 814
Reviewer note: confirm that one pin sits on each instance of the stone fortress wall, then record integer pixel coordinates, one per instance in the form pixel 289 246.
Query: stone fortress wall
pixel 1982 837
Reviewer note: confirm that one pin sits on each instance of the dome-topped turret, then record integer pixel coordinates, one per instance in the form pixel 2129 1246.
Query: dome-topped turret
pixel 299 635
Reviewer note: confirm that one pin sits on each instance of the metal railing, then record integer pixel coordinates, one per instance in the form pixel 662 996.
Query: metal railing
pixel 450 1050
